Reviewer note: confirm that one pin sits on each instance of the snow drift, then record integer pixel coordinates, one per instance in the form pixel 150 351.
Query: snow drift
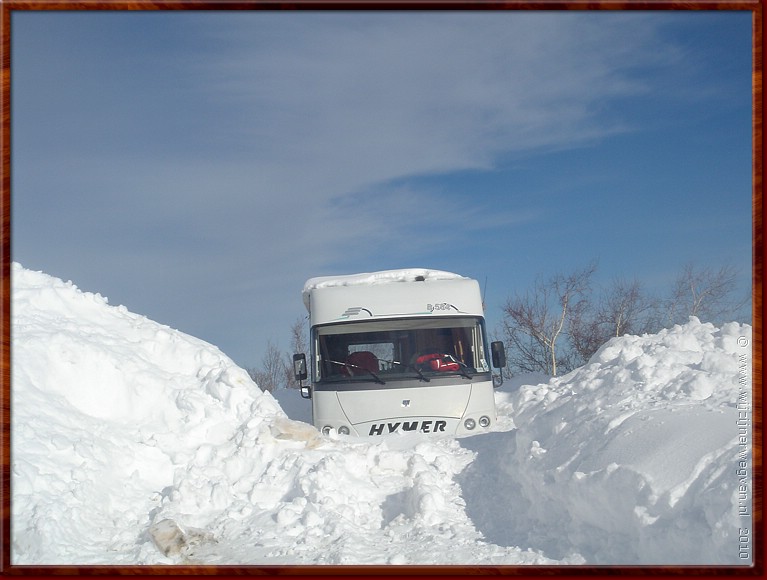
pixel 633 458
pixel 133 443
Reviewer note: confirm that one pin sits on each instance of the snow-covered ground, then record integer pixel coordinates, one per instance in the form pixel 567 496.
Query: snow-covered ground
pixel 133 443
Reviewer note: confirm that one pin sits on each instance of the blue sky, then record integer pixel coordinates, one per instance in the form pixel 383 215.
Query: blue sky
pixel 198 167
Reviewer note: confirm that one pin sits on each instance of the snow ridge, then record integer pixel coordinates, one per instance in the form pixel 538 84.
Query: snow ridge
pixel 631 458
pixel 133 443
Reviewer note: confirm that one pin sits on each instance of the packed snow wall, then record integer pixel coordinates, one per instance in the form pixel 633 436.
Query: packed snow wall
pixel 642 455
pixel 134 443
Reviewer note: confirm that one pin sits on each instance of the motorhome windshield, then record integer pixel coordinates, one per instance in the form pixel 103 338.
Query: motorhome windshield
pixel 386 350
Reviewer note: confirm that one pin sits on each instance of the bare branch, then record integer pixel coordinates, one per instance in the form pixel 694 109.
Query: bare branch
pixel 706 293
pixel 535 322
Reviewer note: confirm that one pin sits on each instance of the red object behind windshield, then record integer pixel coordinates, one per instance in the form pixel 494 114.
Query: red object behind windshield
pixel 438 362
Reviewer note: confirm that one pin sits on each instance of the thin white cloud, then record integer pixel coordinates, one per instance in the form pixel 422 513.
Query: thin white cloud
pixel 396 94
pixel 328 105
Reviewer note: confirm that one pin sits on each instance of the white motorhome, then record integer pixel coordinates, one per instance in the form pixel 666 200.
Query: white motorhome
pixel 398 351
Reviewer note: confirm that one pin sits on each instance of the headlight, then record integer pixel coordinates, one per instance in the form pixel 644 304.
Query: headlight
pixel 470 424
pixel 343 430
pixel 326 430
pixel 484 421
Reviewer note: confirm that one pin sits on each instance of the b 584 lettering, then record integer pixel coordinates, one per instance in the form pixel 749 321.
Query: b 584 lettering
pixel 440 306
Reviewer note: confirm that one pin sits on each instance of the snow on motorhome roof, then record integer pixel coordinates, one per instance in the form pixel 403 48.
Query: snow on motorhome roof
pixel 371 278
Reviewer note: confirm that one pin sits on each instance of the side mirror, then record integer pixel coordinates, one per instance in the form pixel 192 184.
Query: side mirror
pixel 306 392
pixel 499 354
pixel 299 367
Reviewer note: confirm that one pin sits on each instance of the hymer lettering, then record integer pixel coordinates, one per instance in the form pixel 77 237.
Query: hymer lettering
pixel 425 427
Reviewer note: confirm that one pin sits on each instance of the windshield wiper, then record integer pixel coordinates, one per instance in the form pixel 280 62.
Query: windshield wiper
pixel 376 378
pixel 421 376
pixel 462 366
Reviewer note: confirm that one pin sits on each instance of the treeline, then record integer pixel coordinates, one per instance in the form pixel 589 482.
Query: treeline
pixel 561 321
pixel 275 370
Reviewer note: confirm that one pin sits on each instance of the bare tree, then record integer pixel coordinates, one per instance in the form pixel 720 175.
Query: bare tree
pixel 558 325
pixel 706 293
pixel 298 340
pixel 298 343
pixel 272 372
pixel 535 323
pixel 587 332
pixel 623 308
pixel 527 347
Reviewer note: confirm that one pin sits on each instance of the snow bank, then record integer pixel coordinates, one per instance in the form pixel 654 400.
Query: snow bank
pixel 372 278
pixel 133 443
pixel 633 458
pixel 108 409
